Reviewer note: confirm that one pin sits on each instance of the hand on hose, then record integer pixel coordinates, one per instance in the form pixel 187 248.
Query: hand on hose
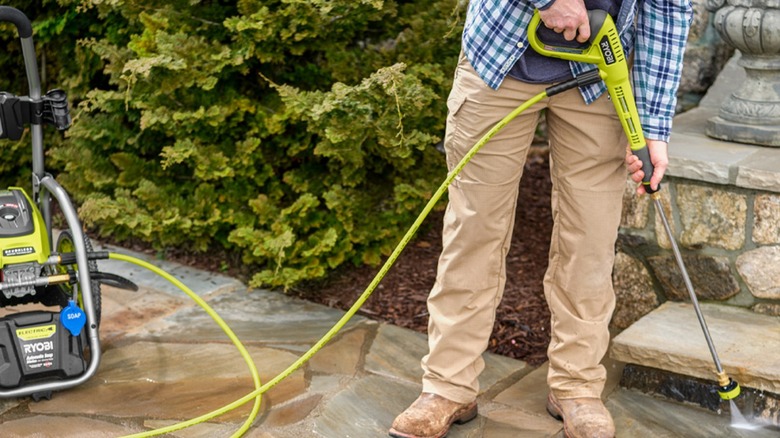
pixel 568 17
pixel 660 159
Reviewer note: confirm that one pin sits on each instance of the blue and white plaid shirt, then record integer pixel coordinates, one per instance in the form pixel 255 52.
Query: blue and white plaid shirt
pixel 496 35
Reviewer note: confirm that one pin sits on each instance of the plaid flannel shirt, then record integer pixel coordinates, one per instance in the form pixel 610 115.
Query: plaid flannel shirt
pixel 496 35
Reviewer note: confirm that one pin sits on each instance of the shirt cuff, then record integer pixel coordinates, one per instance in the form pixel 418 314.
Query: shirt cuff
pixel 657 129
pixel 542 4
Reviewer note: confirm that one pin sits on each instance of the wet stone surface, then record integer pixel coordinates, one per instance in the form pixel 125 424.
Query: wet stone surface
pixel 641 415
pixel 44 425
pixel 254 316
pixel 205 430
pixel 177 381
pixel 672 386
pixel 365 408
pixel 397 353
pixel 8 404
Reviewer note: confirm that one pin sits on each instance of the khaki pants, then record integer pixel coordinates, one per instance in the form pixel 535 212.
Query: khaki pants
pixel 588 174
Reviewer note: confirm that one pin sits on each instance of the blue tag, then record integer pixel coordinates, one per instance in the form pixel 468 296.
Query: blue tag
pixel 73 318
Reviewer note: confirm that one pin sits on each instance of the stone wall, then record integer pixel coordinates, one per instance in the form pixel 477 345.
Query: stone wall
pixel 729 238
pixel 722 200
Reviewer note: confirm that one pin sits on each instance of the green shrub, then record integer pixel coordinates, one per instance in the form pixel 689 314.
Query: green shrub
pixel 300 133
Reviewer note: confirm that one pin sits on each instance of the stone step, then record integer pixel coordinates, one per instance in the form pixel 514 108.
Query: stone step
pixel 670 338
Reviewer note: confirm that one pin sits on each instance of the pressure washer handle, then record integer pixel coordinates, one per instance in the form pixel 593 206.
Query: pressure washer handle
pixel 17 17
pixel 24 27
pixel 555 41
pixel 647 167
pixel 550 43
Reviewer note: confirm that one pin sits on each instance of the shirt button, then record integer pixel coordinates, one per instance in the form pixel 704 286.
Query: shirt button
pixel 520 44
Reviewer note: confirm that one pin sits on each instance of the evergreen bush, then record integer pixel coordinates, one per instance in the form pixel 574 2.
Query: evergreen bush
pixel 300 133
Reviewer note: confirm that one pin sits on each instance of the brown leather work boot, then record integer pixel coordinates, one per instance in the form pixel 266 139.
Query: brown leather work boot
pixel 582 417
pixel 430 416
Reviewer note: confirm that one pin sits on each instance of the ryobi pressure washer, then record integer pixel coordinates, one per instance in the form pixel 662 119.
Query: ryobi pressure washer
pixel 44 350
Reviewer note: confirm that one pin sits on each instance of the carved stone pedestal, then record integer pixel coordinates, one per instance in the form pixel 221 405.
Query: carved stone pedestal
pixel 752 113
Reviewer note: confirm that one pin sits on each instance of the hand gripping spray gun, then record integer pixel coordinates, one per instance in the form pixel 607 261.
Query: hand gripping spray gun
pixel 605 51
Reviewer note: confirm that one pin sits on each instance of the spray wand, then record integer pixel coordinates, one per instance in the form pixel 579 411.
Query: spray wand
pixel 605 51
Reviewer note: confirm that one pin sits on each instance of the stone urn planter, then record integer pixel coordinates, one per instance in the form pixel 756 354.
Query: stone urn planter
pixel 752 113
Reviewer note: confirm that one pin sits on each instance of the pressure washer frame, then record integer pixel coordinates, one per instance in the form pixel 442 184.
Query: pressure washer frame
pixel 49 110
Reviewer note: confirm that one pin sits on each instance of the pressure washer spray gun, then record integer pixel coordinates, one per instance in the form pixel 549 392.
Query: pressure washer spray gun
pixel 605 51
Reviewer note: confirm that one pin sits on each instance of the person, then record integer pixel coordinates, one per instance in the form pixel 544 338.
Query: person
pixel 589 157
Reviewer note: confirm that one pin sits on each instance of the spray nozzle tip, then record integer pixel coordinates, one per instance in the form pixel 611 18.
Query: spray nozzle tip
pixel 730 390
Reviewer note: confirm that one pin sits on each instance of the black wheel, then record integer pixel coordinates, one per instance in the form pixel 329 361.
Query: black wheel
pixel 65 245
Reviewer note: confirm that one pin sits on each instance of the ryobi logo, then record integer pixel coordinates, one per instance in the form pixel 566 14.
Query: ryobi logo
pixel 606 50
pixel 38 347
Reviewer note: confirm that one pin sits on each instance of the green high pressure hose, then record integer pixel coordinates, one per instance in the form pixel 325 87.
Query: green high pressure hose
pixel 260 390
pixel 220 322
